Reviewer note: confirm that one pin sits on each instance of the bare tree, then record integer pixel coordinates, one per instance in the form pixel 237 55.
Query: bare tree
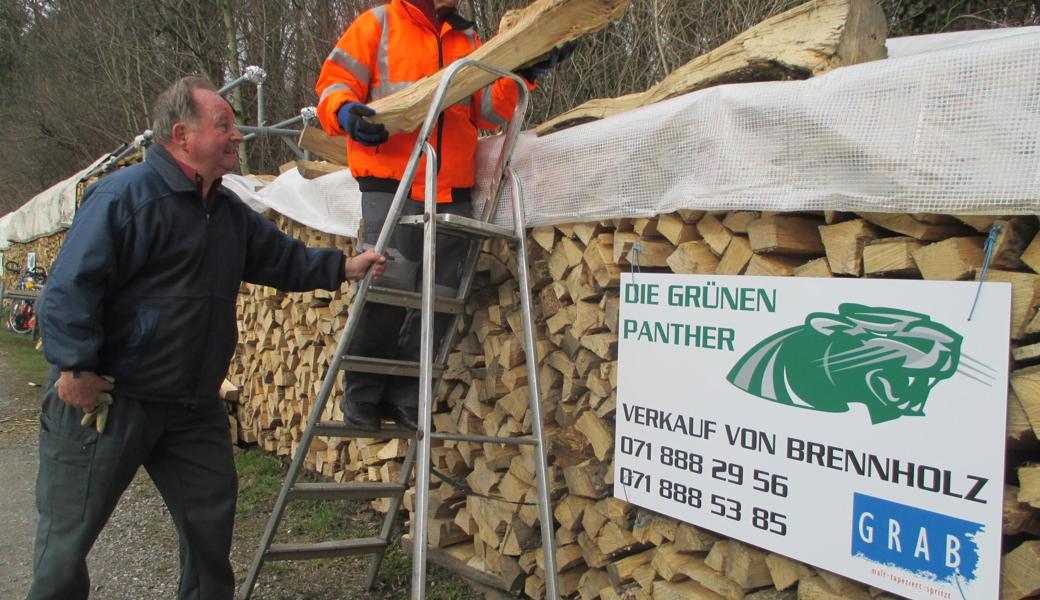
pixel 77 77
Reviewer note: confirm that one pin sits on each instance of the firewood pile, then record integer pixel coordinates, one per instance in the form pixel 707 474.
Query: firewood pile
pixel 606 547
pixel 46 249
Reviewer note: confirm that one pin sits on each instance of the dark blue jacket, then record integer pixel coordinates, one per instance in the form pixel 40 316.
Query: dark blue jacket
pixel 145 285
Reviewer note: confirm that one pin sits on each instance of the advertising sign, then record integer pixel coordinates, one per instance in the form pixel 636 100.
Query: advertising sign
pixel 855 425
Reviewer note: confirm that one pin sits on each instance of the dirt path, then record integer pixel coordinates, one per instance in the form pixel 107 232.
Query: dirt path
pixel 136 555
pixel 18 410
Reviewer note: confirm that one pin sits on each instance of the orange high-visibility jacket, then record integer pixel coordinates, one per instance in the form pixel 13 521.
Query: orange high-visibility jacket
pixel 383 51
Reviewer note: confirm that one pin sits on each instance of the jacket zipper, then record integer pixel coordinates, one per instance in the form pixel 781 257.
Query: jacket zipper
pixel 209 304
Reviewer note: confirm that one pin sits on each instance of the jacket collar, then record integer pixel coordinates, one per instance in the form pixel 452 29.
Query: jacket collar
pixel 455 20
pixel 174 175
pixel 159 159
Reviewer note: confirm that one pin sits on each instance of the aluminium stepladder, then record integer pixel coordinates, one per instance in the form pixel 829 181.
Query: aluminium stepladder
pixel 418 454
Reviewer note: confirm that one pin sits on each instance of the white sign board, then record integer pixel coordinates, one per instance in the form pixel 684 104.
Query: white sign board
pixel 855 425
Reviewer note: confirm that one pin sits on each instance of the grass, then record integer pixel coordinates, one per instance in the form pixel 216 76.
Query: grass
pixel 20 354
pixel 260 479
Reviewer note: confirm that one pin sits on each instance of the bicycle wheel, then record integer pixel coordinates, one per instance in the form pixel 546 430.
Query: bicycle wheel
pixel 39 275
pixel 12 267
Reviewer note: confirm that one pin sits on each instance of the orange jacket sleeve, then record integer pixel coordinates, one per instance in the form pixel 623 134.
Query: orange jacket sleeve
pixel 492 106
pixel 347 72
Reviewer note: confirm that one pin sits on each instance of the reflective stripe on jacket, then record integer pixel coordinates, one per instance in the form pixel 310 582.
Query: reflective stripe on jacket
pixel 385 50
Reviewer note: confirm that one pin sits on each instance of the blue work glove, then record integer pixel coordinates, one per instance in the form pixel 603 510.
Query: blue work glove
pixel 556 56
pixel 351 119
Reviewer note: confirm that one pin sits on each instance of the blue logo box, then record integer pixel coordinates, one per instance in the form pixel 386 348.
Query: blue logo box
pixel 921 541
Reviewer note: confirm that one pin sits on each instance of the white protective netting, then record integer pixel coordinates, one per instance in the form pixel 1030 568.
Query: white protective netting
pixel 949 123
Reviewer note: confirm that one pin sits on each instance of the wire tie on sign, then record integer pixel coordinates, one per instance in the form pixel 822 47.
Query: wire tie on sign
pixel 636 251
pixel 991 241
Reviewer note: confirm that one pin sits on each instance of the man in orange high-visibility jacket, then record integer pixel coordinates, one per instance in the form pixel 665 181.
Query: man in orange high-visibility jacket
pixel 383 51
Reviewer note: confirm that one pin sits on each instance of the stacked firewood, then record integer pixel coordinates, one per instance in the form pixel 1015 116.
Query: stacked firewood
pixel 46 249
pixel 606 547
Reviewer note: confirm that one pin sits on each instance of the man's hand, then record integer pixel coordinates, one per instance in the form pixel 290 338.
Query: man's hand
pixel 81 391
pixel 355 267
pixel 351 119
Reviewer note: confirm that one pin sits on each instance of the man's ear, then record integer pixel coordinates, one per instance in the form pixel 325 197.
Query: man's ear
pixel 179 134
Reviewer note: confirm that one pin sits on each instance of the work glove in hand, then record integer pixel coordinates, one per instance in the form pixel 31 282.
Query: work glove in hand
pixel 351 119
pixel 80 389
pixel 556 56
pixel 98 416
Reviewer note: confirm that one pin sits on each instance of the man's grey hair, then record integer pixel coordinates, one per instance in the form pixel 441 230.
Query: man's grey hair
pixel 175 105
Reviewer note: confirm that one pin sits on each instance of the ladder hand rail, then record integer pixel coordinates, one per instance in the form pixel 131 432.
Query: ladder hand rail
pixel 425 409
pixel 545 516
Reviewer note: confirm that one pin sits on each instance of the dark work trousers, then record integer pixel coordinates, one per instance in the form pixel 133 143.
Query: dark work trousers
pixel 186 450
pixel 391 331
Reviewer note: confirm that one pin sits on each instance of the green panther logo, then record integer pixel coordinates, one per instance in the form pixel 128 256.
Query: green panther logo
pixel 885 358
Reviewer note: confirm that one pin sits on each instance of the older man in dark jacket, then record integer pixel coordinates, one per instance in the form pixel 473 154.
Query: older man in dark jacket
pixel 143 293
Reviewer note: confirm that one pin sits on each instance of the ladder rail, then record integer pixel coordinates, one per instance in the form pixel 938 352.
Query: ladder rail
pixel 422 473
pixel 545 516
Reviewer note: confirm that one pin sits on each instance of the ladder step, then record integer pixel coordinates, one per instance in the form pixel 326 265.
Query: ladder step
pixel 385 366
pixel 394 297
pixel 325 549
pixel 339 429
pixel 463 226
pixel 335 491
pixel 485 439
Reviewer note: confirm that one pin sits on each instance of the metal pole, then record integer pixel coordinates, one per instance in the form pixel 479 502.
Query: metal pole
pixel 254 131
pixel 422 435
pixel 232 85
pixel 260 116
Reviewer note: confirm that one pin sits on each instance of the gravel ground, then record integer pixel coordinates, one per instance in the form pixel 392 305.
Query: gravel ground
pixel 136 555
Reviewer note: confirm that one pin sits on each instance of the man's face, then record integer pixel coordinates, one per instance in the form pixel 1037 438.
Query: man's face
pixel 212 142
pixel 442 7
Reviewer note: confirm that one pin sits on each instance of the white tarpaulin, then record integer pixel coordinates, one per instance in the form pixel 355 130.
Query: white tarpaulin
pixel 48 212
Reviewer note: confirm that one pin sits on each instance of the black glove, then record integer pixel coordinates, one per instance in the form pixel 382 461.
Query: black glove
pixel 351 119
pixel 556 56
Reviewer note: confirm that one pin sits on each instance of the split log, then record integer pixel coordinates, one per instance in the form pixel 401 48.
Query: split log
pixel 1021 576
pixel 951 259
pixel 844 243
pixel 785 235
pixel 685 590
pixel 909 226
pixel 1029 480
pixel 891 256
pixel 807 40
